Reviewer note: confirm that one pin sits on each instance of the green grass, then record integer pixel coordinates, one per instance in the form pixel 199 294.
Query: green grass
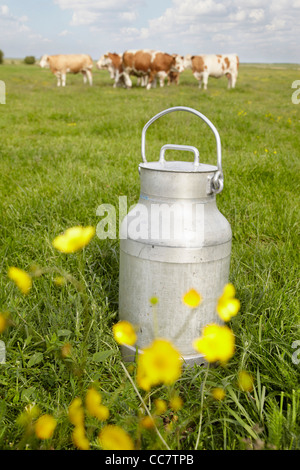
pixel 66 151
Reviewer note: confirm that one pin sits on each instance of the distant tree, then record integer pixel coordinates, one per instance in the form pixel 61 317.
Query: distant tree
pixel 1 56
pixel 29 59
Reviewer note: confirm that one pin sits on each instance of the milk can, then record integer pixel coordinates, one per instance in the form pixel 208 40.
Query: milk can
pixel 175 239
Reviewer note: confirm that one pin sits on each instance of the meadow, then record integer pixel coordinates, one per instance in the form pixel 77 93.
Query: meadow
pixel 65 151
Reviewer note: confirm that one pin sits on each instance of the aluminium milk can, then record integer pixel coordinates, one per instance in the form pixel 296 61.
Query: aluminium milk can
pixel 173 240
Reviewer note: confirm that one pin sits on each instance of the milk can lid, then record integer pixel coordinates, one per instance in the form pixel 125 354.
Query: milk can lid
pixel 179 167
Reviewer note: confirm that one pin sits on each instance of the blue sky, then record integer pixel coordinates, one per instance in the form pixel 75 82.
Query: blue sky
pixel 257 30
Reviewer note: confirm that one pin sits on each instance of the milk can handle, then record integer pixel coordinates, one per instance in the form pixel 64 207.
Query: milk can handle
pixel 217 181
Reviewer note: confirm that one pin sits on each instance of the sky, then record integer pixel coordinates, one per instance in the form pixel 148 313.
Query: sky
pixel 256 30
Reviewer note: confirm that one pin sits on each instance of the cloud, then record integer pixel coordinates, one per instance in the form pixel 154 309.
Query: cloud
pixel 258 30
pixel 10 23
pixel 89 12
pixel 21 38
pixel 244 26
pixel 65 32
pixel 4 10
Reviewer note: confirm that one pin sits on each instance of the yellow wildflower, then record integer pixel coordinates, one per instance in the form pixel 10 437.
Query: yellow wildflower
pixel 158 363
pixel 216 344
pixel 26 417
pixel 3 322
pixel 93 405
pixel 66 350
pixel 113 437
pixel 160 406
pixel 228 306
pixel 59 281
pixel 192 298
pixel 45 426
pixel 124 333
pixel 245 381
pixel 218 393
pixel 74 239
pixel 153 300
pixel 79 438
pixel 147 422
pixel 176 402
pixel 21 278
pixel 76 412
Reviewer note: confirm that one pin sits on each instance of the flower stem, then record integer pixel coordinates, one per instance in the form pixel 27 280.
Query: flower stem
pixel 144 405
pixel 201 407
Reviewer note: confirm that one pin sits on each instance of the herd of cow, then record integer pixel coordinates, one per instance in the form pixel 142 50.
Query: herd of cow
pixel 147 65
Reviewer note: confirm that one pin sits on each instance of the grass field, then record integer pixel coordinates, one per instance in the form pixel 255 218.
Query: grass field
pixel 65 151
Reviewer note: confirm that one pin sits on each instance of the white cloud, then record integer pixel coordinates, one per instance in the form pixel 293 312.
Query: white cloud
pixel 276 24
pixel 260 30
pixel 11 23
pixel 257 15
pixel 65 32
pixel 4 10
pixel 84 17
pixel 129 16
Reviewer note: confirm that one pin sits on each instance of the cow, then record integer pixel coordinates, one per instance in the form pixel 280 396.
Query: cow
pixel 173 77
pixel 213 65
pixel 62 64
pixel 112 62
pixel 149 64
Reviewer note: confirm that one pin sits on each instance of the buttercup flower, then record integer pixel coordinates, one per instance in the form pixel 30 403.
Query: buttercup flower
pixel 216 344
pixel 30 413
pixel 147 422
pixel 79 438
pixel 160 406
pixel 74 239
pixel 3 322
pixel 158 363
pixel 192 298
pixel 176 402
pixel 153 301
pixel 76 412
pixel 218 393
pixel 45 426
pixel 93 405
pixel 59 281
pixel 228 306
pixel 113 437
pixel 66 350
pixel 21 278
pixel 245 381
pixel 124 333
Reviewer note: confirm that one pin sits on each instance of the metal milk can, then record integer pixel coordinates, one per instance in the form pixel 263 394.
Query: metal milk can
pixel 173 240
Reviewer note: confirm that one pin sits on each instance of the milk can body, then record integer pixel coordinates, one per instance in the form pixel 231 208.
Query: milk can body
pixel 173 240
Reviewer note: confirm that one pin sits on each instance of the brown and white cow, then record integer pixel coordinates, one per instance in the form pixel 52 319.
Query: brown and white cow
pixel 62 64
pixel 213 65
pixel 173 77
pixel 151 64
pixel 112 62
